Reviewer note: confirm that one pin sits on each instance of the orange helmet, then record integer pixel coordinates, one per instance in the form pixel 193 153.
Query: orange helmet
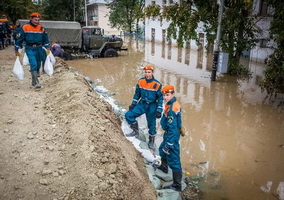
pixel 168 89
pixel 149 67
pixel 35 14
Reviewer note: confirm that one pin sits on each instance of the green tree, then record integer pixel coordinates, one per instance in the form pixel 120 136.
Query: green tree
pixel 63 10
pixel 238 32
pixel 17 9
pixel 274 73
pixel 125 13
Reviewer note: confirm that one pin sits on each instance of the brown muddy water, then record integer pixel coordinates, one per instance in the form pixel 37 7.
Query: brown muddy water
pixel 234 134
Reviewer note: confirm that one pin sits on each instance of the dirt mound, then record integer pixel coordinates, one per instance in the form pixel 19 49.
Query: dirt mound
pixel 63 141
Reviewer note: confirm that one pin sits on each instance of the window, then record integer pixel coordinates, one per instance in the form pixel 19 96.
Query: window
pixel 152 35
pixel 263 43
pixel 179 58
pixel 170 50
pixel 187 53
pixel 263 7
pixel 97 32
pixel 163 35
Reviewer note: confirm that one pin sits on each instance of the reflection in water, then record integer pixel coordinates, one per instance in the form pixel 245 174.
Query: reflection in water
pixel 233 134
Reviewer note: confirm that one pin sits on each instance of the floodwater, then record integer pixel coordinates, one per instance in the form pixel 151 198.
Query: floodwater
pixel 234 134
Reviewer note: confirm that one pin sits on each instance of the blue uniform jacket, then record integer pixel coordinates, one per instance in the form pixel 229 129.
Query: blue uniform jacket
pixel 32 35
pixel 16 33
pixel 171 122
pixel 149 91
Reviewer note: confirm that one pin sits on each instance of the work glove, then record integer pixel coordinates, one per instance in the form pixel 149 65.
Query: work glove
pixel 158 115
pixel 17 53
pixel 166 150
pixel 131 107
pixel 47 52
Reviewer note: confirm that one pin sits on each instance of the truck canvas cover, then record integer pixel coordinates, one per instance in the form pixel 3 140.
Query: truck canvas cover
pixel 65 33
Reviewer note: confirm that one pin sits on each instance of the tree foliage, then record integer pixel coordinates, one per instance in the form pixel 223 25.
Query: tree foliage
pixel 238 32
pixel 17 9
pixel 274 73
pixel 125 13
pixel 49 9
pixel 63 10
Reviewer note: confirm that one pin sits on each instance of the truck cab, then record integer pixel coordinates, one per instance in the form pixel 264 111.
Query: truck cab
pixel 99 45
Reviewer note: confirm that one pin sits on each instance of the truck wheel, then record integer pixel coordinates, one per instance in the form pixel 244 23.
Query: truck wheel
pixel 110 53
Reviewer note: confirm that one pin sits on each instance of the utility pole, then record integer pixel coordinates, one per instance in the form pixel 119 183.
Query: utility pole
pixel 86 17
pixel 217 44
pixel 74 10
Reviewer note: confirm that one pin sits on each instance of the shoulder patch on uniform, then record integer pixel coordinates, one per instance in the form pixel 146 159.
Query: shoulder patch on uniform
pixel 170 119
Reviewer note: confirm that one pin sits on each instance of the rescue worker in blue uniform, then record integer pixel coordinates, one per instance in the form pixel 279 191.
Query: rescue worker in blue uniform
pixel 148 100
pixel 7 30
pixel 16 32
pixel 35 37
pixel 2 34
pixel 170 149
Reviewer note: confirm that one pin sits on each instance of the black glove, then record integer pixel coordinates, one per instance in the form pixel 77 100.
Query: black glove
pixel 158 115
pixel 131 107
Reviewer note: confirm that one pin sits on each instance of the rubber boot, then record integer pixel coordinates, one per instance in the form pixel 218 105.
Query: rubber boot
pixel 164 166
pixel 35 81
pixel 151 143
pixel 177 181
pixel 135 129
pixel 38 73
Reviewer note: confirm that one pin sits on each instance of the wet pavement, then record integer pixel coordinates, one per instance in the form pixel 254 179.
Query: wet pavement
pixel 234 134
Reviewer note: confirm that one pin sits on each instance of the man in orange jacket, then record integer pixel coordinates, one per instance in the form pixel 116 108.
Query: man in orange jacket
pixel 169 149
pixel 148 100
pixel 35 38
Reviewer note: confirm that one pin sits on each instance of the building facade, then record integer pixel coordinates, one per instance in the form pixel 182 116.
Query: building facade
pixel 97 15
pixel 155 30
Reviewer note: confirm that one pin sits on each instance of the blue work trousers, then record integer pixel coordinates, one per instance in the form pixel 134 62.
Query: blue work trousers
pixel 144 108
pixel 36 55
pixel 173 158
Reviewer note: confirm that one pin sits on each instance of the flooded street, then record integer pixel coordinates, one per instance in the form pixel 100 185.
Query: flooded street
pixel 234 135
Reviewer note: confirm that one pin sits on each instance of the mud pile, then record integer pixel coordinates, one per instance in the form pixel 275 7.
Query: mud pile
pixel 63 141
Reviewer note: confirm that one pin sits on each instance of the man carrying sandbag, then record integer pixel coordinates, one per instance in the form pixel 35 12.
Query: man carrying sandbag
pixel 35 38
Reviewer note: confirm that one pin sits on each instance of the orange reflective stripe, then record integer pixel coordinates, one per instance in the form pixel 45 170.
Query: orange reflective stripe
pixel 33 29
pixel 4 20
pixel 154 86
pixel 175 108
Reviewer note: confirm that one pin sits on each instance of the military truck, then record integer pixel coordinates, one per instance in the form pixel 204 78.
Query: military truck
pixel 74 39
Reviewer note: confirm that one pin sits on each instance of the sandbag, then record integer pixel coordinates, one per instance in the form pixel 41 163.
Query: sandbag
pixel 18 69
pixel 48 66
pixel 25 60
pixel 52 58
